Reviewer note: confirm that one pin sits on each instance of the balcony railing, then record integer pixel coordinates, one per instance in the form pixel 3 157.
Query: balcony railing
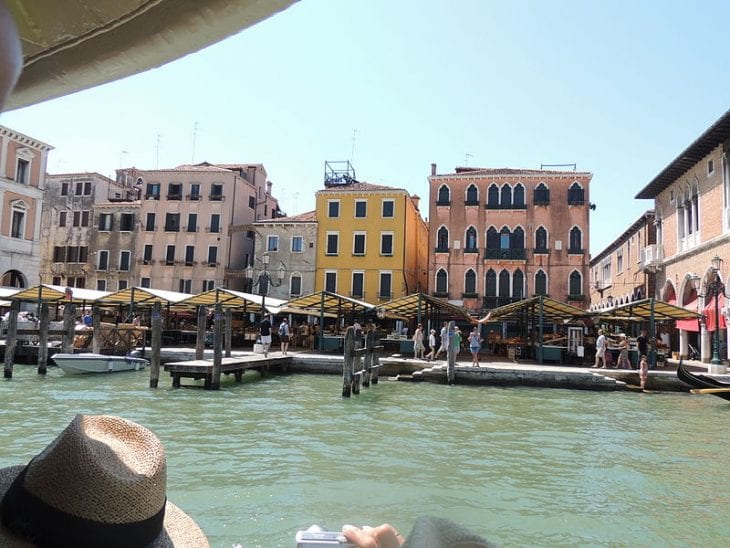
pixel 652 257
pixel 506 254
pixel 489 303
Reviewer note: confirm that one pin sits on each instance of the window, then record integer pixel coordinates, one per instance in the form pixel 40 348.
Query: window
pixel 85 218
pixel 17 229
pixel 72 254
pixel 213 256
pixel 710 167
pixel 518 285
pixel 619 261
pixel 493 197
pixel 505 197
pixel 79 189
pixel 493 238
pixel 358 284
pixel 386 243
pixel 442 282
pixel 172 222
pixel 471 239
pixel 388 209
pixel 361 209
pixel 189 255
pixel 87 188
pixel 330 282
pixel 444 196
pixel 59 254
pixel 295 285
pixel 145 282
pixel 358 243
pixel 64 189
pixel 540 283
pixel 170 255
pixel 297 244
pixel 385 291
pixel 192 222
pixel 576 240
pixel 518 197
pixel 490 289
pixel 504 283
pixel 124 258
pixel 575 284
pixel 186 286
pixel 23 171
pixel 215 222
pixel 517 239
pixel 76 218
pixel 122 284
pixel 333 208
pixel 153 191
pixel 83 253
pixel 470 283
pixel 61 218
pixel 103 260
pixel 272 243
pixel 541 195
pixel 252 202
pixel 472 195
pixel 150 223
pixel 216 192
pixel 126 222
pixel 332 243
pixel 194 191
pixel 504 238
pixel 106 222
pixel 101 285
pixel 575 194
pixel 541 240
pixel 147 254
pixel 442 239
pixel 208 285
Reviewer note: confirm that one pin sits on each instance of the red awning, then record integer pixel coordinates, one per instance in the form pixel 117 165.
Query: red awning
pixel 709 312
pixel 691 324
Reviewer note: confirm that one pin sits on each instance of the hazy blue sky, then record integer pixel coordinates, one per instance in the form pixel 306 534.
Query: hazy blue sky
pixel 620 88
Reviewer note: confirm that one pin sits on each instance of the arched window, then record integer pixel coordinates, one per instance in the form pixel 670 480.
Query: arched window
pixel 518 239
pixel 541 239
pixel 442 239
pixel 505 197
pixel 470 283
pixel 504 238
pixel 471 239
pixel 518 197
pixel 575 286
pixel 541 195
pixel 492 238
pixel 576 240
pixel 490 289
pixel 518 284
pixel 575 194
pixel 444 196
pixel 540 283
pixel 472 195
pixel 504 287
pixel 442 282
pixel 493 197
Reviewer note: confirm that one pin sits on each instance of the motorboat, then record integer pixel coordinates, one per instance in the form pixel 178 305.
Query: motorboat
pixel 97 363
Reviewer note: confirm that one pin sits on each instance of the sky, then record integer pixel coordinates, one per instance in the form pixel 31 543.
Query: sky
pixel 618 88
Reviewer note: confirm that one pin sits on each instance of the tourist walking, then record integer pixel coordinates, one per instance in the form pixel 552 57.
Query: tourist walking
pixel 643 371
pixel 600 350
pixel 475 343
pixel 444 340
pixel 284 336
pixel 431 345
pixel 265 334
pixel 623 354
pixel 418 348
pixel 642 345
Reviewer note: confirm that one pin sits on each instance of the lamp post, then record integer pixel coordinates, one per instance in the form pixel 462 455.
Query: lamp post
pixel 714 288
pixel 264 278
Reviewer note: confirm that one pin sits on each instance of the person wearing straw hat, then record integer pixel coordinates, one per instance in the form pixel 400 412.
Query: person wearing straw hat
pixel 101 482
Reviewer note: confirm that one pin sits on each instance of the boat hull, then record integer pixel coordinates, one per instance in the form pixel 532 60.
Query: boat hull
pixel 77 364
pixel 696 380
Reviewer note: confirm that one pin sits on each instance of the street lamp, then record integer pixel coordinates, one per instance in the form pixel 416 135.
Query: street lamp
pixel 714 289
pixel 264 278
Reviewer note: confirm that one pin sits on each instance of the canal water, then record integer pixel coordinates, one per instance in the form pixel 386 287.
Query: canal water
pixel 254 462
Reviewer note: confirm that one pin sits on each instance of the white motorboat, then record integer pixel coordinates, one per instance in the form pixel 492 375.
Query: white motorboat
pixel 97 363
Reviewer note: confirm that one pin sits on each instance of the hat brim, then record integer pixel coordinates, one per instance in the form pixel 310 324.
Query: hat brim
pixel 179 529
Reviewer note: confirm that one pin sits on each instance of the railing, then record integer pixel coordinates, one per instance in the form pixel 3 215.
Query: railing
pixel 489 303
pixel 652 257
pixel 506 254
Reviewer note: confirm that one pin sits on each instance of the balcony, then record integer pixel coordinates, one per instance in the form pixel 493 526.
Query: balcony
pixel 506 254
pixel 652 257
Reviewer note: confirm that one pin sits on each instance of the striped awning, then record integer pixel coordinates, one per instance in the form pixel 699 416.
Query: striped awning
pixel 411 306
pixel 552 310
pixel 54 293
pixel 143 296
pixel 645 308
pixel 328 302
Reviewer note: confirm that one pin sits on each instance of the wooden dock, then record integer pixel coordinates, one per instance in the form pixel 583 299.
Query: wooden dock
pixel 203 369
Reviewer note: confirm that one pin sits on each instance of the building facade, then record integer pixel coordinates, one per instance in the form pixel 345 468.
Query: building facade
pixel 500 235
pixel 23 161
pixel 371 242
pixel 623 272
pixel 692 208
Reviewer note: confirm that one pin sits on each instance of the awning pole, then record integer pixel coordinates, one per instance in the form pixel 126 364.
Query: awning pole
pixel 540 330
pixel 652 336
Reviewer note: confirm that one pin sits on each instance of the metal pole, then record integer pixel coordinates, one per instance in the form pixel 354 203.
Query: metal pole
pixel 652 336
pixel 716 335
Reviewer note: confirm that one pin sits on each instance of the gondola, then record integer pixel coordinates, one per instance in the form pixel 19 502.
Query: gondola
pixel 702 381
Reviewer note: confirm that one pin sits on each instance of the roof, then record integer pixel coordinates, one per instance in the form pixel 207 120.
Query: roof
pixel 510 171
pixel 357 186
pixel 53 293
pixel 411 306
pixel 143 295
pixel 328 302
pixel 552 310
pixel 229 298
pixel 308 217
pixel 644 309
pixel 715 135
pixel 641 221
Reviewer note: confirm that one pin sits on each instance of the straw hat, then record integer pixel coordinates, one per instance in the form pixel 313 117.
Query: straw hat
pixel 101 482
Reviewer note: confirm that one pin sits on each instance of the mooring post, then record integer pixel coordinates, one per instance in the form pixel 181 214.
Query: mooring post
pixel 155 344
pixel 200 341
pixel 11 339
pixel 368 360
pixel 451 351
pixel 376 356
pixel 229 329
pixel 347 364
pixel 96 326
pixel 43 321
pixel 215 381
pixel 69 328
pixel 357 362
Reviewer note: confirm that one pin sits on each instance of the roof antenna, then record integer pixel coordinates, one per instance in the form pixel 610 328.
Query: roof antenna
pixel 195 134
pixel 352 152
pixel 466 159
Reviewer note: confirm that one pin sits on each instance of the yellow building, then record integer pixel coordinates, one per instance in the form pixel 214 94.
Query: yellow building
pixel 371 242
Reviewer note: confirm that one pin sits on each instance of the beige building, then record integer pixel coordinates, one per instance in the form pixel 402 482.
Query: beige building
pixel 23 161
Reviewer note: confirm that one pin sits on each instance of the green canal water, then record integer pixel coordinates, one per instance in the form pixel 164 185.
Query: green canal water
pixel 254 462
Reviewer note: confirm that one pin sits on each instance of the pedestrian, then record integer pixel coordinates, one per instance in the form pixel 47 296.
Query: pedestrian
pixel 418 348
pixel 623 354
pixel 600 351
pixel 431 345
pixel 88 321
pixel 642 344
pixel 457 341
pixel 643 371
pixel 475 344
pixel 444 340
pixel 284 336
pixel 265 334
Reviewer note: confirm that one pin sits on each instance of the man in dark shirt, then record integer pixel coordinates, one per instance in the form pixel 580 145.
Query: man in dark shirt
pixel 265 330
pixel 642 343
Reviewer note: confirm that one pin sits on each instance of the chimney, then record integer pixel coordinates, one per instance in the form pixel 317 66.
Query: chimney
pixel 416 199
pixel 269 184
pixel 433 169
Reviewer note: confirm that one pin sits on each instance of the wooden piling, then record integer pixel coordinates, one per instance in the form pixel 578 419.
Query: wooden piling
pixel 69 328
pixel 156 343
pixel 347 365
pixel 96 326
pixel 228 331
pixel 200 341
pixel 368 359
pixel 357 371
pixel 451 352
pixel 215 381
pixel 375 357
pixel 43 321
pixel 11 339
